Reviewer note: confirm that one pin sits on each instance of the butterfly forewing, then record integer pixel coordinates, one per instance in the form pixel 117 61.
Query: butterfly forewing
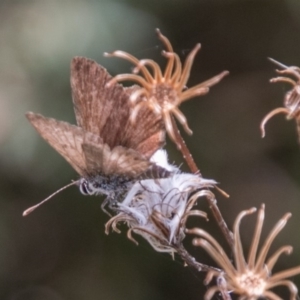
pixel 93 101
pixel 105 110
pixel 65 138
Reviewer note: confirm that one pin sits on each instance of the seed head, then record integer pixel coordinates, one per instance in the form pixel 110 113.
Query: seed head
pixel 249 278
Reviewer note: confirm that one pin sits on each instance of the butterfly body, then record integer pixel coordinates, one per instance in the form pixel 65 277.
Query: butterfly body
pixel 106 185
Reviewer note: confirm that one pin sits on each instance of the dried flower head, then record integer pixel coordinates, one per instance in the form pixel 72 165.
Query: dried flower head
pixel 157 209
pixel 164 91
pixel 251 278
pixel 291 100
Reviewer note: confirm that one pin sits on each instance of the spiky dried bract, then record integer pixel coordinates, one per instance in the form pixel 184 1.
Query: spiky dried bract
pixel 158 209
pixel 164 91
pixel 249 278
pixel 292 97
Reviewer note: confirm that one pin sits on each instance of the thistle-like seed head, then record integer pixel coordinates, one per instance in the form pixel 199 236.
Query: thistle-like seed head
pixel 251 277
pixel 157 209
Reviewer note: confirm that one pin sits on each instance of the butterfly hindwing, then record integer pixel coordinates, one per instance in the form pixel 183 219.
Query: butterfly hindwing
pixel 147 134
pixel 119 160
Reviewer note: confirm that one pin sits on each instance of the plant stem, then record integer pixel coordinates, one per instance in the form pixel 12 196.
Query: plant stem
pixel 191 261
pixel 212 202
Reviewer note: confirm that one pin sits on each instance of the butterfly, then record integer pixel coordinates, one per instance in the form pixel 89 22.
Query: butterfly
pixel 106 148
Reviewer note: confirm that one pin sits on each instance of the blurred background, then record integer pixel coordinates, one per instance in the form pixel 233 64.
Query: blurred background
pixel 60 251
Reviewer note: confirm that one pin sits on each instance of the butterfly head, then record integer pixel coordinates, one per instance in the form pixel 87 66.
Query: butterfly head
pixel 85 188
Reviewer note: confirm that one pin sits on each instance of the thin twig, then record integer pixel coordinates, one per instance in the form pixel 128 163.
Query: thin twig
pixel 181 146
pixel 212 202
pixel 191 261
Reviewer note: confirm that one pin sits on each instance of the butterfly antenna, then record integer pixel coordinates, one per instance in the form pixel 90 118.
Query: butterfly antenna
pixel 32 208
pixel 279 64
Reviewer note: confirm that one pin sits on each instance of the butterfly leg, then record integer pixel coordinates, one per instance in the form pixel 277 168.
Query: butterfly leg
pixel 104 203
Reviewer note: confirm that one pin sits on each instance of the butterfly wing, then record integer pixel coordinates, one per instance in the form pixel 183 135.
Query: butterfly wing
pixel 118 161
pixel 85 151
pixel 145 135
pixel 93 101
pixel 65 138
pixel 105 111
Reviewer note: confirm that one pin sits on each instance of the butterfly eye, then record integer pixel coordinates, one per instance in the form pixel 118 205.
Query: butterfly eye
pixel 84 189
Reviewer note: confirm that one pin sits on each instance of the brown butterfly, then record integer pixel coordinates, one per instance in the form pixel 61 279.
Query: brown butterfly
pixel 106 149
